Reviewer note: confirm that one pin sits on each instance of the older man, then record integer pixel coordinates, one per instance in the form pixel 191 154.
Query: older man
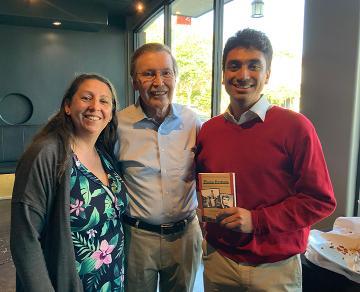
pixel 282 182
pixel 156 154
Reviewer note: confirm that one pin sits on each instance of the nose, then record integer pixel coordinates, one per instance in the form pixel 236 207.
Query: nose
pixel 158 80
pixel 94 104
pixel 243 73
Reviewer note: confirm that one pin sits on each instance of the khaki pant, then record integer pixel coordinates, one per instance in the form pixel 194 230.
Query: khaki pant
pixel 172 260
pixel 223 274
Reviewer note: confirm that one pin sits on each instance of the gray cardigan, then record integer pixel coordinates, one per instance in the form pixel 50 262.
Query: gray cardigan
pixel 40 236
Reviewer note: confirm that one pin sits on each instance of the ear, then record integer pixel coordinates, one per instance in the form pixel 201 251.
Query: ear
pixel 267 77
pixel 67 109
pixel 135 84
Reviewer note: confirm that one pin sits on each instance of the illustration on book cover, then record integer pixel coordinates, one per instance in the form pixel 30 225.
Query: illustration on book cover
pixel 215 191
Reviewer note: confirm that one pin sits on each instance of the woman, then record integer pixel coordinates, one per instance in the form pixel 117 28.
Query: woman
pixel 66 231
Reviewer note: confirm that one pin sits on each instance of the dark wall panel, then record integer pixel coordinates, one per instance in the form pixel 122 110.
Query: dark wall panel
pixel 39 63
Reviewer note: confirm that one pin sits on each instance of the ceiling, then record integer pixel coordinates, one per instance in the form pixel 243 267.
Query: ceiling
pixel 87 15
pixel 117 7
pixel 74 14
pixel 193 8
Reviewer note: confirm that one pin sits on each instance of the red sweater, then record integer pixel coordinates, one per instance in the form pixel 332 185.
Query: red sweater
pixel 281 177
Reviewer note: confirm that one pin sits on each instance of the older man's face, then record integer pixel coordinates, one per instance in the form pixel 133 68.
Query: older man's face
pixel 155 79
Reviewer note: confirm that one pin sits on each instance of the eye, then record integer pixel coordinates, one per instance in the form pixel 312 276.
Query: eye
pixel 167 73
pixel 148 74
pixel 233 66
pixel 86 97
pixel 255 66
pixel 105 100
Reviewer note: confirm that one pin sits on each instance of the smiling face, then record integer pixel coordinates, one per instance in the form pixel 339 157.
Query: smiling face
pixel 245 74
pixel 156 94
pixel 90 108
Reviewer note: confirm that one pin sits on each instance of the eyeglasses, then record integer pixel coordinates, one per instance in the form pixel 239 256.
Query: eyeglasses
pixel 150 75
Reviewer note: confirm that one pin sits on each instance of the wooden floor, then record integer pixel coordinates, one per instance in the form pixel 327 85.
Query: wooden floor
pixel 7 269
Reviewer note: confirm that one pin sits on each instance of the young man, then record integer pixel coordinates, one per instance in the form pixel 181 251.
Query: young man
pixel 156 154
pixel 282 181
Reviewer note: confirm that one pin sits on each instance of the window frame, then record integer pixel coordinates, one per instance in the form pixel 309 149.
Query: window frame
pixel 218 8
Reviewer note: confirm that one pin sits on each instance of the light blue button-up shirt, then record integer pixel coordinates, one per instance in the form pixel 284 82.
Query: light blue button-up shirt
pixel 259 109
pixel 157 162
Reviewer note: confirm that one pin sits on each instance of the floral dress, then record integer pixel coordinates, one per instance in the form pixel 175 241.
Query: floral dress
pixel 96 227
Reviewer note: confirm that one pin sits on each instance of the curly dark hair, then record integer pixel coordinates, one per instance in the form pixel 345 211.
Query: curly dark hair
pixel 62 126
pixel 249 39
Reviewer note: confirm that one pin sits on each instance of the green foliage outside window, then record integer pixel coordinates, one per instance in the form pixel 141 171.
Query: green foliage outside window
pixel 194 81
pixel 193 53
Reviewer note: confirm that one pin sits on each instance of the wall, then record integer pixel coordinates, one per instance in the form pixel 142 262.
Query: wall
pixel 40 62
pixel 330 96
pixel 6 185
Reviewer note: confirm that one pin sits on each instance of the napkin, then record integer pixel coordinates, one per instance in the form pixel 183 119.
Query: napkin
pixel 337 250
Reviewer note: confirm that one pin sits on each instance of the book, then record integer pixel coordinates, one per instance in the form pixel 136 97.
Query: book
pixel 216 191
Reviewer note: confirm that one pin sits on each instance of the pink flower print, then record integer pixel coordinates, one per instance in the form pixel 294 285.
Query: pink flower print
pixel 77 207
pixel 103 256
pixel 116 203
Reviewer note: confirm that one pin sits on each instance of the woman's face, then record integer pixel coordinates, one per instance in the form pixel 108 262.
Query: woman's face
pixel 90 108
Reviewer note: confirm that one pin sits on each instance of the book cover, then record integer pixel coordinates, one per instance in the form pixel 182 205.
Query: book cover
pixel 215 191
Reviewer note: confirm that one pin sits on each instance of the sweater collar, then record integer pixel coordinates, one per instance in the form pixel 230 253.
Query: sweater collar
pixel 258 110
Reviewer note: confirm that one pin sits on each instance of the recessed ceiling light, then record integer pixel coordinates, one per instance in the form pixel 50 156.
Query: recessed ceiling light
pixel 56 23
pixel 177 12
pixel 139 6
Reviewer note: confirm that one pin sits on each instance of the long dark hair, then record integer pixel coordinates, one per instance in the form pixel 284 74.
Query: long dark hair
pixel 62 126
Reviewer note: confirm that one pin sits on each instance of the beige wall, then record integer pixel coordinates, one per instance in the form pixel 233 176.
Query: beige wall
pixel 330 90
pixel 6 185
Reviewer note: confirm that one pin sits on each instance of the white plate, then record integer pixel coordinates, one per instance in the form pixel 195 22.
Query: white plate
pixel 336 248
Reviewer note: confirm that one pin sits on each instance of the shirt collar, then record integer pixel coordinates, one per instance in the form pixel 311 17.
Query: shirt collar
pixel 259 109
pixel 141 115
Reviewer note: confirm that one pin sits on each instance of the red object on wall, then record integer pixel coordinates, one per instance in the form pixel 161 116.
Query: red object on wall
pixel 181 19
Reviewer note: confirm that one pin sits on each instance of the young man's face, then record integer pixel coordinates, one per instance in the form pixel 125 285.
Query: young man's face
pixel 156 93
pixel 226 201
pixel 245 75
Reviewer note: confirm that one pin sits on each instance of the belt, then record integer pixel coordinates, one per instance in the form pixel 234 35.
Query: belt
pixel 165 229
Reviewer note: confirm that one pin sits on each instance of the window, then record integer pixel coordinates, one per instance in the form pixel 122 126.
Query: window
pixel 152 31
pixel 192 39
pixel 285 31
pixel 192 35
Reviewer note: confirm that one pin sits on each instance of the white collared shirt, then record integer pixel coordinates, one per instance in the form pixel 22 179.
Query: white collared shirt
pixel 259 109
pixel 157 163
